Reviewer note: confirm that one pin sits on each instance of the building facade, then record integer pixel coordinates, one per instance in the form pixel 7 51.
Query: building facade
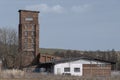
pixel 47 58
pixel 28 35
pixel 83 67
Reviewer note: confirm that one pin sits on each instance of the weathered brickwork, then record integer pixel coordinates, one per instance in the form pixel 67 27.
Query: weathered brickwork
pixel 28 35
pixel 96 70
pixel 46 58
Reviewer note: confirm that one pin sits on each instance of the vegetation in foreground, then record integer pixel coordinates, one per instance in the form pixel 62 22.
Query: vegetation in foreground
pixel 21 75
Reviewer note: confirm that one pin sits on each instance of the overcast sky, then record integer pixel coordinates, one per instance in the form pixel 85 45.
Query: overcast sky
pixel 70 24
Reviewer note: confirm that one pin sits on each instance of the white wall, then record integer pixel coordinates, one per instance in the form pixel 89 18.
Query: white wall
pixel 61 66
pixel 72 65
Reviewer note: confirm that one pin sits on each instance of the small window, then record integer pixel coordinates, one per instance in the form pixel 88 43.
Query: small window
pixel 29 19
pixel 32 46
pixel 25 27
pixel 76 69
pixel 32 40
pixel 25 46
pixel 26 33
pixel 33 33
pixel 25 40
pixel 32 26
pixel 67 69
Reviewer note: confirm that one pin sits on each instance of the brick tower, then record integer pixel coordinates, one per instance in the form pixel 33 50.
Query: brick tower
pixel 28 35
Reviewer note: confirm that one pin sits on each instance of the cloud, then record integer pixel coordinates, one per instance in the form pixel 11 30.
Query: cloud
pixel 44 8
pixel 80 8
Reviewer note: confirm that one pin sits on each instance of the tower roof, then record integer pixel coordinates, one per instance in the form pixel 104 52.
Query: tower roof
pixel 28 11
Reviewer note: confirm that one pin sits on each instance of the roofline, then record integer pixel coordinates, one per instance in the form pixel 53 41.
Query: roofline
pixel 74 59
pixel 28 11
pixel 112 62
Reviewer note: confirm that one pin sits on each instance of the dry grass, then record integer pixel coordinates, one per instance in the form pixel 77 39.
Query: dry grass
pixel 21 75
pixel 12 73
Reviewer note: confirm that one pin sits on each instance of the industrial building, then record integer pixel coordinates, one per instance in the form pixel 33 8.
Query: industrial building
pixel 29 47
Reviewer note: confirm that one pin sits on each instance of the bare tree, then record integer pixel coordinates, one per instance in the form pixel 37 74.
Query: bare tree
pixel 9 46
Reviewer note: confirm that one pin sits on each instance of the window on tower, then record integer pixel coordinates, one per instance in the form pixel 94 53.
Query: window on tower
pixel 26 33
pixel 25 27
pixel 25 46
pixel 32 33
pixel 25 40
pixel 32 40
pixel 32 46
pixel 33 27
pixel 29 19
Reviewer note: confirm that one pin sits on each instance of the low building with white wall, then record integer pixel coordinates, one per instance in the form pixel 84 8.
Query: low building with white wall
pixel 68 68
pixel 80 67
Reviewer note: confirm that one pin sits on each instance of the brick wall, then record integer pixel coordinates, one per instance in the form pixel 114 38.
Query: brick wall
pixel 96 70
pixel 46 58
pixel 28 35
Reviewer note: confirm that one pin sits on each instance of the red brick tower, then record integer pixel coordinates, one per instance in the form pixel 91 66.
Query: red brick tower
pixel 28 35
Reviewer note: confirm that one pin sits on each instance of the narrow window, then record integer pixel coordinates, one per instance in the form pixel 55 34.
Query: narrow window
pixel 25 26
pixel 32 46
pixel 32 33
pixel 25 46
pixel 32 40
pixel 33 27
pixel 76 69
pixel 26 33
pixel 67 69
pixel 25 40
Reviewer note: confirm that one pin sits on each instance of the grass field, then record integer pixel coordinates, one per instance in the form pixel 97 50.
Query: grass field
pixel 53 77
pixel 21 75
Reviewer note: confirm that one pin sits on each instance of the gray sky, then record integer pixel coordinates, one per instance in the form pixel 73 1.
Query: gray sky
pixel 70 24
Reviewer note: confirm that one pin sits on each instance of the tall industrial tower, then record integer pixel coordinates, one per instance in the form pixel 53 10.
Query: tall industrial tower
pixel 28 34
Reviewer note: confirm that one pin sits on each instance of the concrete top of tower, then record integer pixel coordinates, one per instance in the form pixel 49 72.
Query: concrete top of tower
pixel 28 11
